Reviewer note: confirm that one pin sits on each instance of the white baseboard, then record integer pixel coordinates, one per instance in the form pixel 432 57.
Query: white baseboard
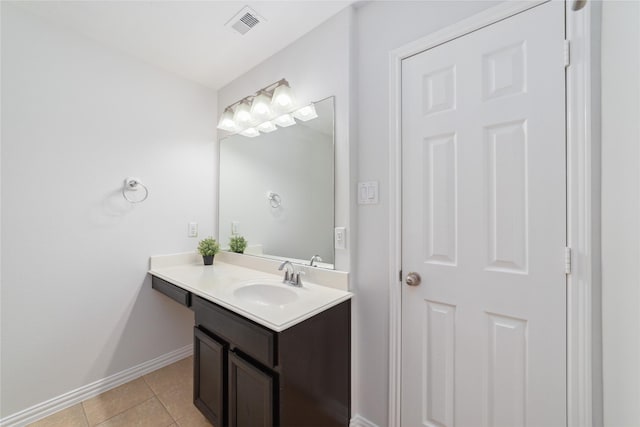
pixel 66 400
pixel 360 421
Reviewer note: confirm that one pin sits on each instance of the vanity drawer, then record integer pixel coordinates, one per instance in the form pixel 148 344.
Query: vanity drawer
pixel 171 290
pixel 253 340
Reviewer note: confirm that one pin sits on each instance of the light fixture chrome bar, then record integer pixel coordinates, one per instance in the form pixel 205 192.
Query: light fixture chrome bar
pixel 267 89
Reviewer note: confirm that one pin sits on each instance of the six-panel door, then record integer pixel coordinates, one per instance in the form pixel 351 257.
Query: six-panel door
pixel 484 224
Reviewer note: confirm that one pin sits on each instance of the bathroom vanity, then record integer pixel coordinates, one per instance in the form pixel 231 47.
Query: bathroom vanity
pixel 265 353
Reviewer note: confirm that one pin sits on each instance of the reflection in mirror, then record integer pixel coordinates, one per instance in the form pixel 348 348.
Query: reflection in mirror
pixel 277 189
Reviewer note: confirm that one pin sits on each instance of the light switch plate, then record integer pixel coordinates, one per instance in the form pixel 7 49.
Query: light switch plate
pixel 193 229
pixel 340 238
pixel 368 193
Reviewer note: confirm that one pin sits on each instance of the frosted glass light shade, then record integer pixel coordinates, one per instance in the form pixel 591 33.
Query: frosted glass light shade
pixel 282 100
pixel 305 113
pixel 226 121
pixel 250 132
pixel 261 107
pixel 284 120
pixel 266 127
pixel 242 116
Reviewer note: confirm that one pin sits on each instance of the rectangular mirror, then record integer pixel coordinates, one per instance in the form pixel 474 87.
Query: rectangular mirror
pixel 277 189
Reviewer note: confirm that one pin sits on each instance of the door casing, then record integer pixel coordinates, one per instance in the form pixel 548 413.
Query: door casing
pixel 582 201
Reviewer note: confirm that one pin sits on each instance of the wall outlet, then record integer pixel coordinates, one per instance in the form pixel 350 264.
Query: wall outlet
pixel 235 225
pixel 193 229
pixel 340 238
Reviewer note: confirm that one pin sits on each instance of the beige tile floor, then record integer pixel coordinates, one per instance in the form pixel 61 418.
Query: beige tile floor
pixel 162 398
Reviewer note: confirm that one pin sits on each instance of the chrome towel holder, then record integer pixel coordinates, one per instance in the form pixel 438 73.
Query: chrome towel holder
pixel 274 199
pixel 132 184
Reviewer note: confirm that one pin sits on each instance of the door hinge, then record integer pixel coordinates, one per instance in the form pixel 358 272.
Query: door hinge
pixel 400 276
pixel 567 53
pixel 567 260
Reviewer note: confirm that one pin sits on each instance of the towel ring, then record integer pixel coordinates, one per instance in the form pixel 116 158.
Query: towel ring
pixel 134 184
pixel 274 199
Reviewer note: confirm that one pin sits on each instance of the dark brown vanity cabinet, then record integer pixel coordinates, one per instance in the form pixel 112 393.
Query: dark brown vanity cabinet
pixel 228 389
pixel 247 375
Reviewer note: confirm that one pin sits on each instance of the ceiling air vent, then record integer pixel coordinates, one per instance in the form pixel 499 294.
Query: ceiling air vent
pixel 245 20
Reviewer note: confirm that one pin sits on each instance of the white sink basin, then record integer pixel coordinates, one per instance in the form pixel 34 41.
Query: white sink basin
pixel 266 294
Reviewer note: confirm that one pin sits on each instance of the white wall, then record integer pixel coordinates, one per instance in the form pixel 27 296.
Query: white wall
pixel 621 212
pixel 77 119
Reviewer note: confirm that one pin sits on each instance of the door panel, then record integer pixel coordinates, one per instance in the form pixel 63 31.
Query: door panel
pixel 250 394
pixel 438 368
pixel 210 361
pixel 440 207
pixel 484 192
pixel 507 191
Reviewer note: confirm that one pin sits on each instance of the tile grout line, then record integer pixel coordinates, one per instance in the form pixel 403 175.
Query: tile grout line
pixel 84 412
pixel 149 385
pixel 157 395
pixel 120 413
pixel 175 421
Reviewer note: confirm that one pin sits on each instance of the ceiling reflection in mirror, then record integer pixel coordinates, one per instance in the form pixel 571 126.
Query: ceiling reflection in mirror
pixel 277 189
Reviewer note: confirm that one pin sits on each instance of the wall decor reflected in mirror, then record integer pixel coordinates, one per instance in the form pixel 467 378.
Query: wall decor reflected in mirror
pixel 277 190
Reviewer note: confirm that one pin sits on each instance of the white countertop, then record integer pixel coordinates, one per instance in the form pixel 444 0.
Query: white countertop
pixel 217 284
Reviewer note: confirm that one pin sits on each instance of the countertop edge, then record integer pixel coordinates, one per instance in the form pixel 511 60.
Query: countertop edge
pixel 272 326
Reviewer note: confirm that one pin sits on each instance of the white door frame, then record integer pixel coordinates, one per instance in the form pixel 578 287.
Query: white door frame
pixel 582 205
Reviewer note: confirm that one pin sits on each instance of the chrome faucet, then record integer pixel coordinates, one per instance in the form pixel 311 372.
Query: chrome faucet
pixel 291 277
pixel 314 259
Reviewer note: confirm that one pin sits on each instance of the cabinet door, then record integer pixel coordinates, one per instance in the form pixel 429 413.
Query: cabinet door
pixel 210 377
pixel 250 394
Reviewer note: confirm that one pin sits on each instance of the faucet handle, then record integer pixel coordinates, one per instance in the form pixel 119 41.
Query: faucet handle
pixel 289 273
pixel 298 278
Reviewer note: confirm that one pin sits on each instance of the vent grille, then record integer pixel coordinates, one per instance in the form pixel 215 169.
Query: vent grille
pixel 245 20
pixel 249 20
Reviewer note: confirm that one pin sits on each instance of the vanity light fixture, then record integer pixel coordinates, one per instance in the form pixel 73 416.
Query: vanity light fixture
pixel 270 106
pixel 261 107
pixel 242 116
pixel 226 121
pixel 282 101
pixel 269 102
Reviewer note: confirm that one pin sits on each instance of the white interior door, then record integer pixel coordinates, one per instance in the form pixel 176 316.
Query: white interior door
pixel 483 224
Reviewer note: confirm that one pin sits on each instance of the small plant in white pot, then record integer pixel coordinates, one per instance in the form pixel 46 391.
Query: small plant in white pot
pixel 208 248
pixel 237 244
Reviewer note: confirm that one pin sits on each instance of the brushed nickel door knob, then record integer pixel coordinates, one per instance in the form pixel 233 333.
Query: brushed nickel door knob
pixel 413 279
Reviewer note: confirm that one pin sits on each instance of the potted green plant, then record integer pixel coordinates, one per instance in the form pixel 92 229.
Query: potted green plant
pixel 208 248
pixel 237 244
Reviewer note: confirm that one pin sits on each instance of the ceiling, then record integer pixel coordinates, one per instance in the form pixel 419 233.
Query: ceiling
pixel 189 38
